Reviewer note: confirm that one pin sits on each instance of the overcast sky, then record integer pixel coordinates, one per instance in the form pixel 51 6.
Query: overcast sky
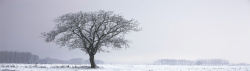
pixel 172 29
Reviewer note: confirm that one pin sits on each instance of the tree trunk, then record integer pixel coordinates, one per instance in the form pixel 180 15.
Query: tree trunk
pixel 92 61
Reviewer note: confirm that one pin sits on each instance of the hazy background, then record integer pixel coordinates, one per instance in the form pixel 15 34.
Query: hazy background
pixel 172 29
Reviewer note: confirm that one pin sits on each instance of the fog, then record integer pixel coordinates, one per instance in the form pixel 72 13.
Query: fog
pixel 172 29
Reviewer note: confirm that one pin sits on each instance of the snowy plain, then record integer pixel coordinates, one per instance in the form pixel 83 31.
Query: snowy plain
pixel 117 67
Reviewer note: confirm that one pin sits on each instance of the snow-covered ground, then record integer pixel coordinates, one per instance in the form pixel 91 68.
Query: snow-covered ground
pixel 117 67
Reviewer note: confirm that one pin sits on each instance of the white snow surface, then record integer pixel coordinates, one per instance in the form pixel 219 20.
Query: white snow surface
pixel 117 67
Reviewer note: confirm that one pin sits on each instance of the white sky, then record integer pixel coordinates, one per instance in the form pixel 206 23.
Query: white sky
pixel 172 29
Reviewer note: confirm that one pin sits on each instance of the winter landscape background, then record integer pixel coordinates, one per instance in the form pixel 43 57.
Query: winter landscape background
pixel 25 61
pixel 177 35
pixel 29 58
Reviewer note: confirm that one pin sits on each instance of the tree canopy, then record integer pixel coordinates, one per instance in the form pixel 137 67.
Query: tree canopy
pixel 91 31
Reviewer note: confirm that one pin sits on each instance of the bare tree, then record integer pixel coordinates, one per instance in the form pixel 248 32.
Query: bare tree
pixel 91 31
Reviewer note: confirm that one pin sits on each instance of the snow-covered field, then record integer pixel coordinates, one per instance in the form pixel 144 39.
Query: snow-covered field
pixel 116 67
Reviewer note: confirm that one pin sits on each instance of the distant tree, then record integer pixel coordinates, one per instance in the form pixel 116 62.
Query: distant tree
pixel 8 57
pixel 198 62
pixel 212 62
pixel 22 58
pixel 174 62
pixel 35 59
pixel 91 31
pixel 2 58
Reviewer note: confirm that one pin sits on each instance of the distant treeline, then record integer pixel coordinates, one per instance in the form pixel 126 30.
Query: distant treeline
pixel 27 57
pixel 17 57
pixel 71 61
pixel 197 62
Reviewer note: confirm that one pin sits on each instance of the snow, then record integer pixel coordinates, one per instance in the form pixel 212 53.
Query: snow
pixel 117 67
